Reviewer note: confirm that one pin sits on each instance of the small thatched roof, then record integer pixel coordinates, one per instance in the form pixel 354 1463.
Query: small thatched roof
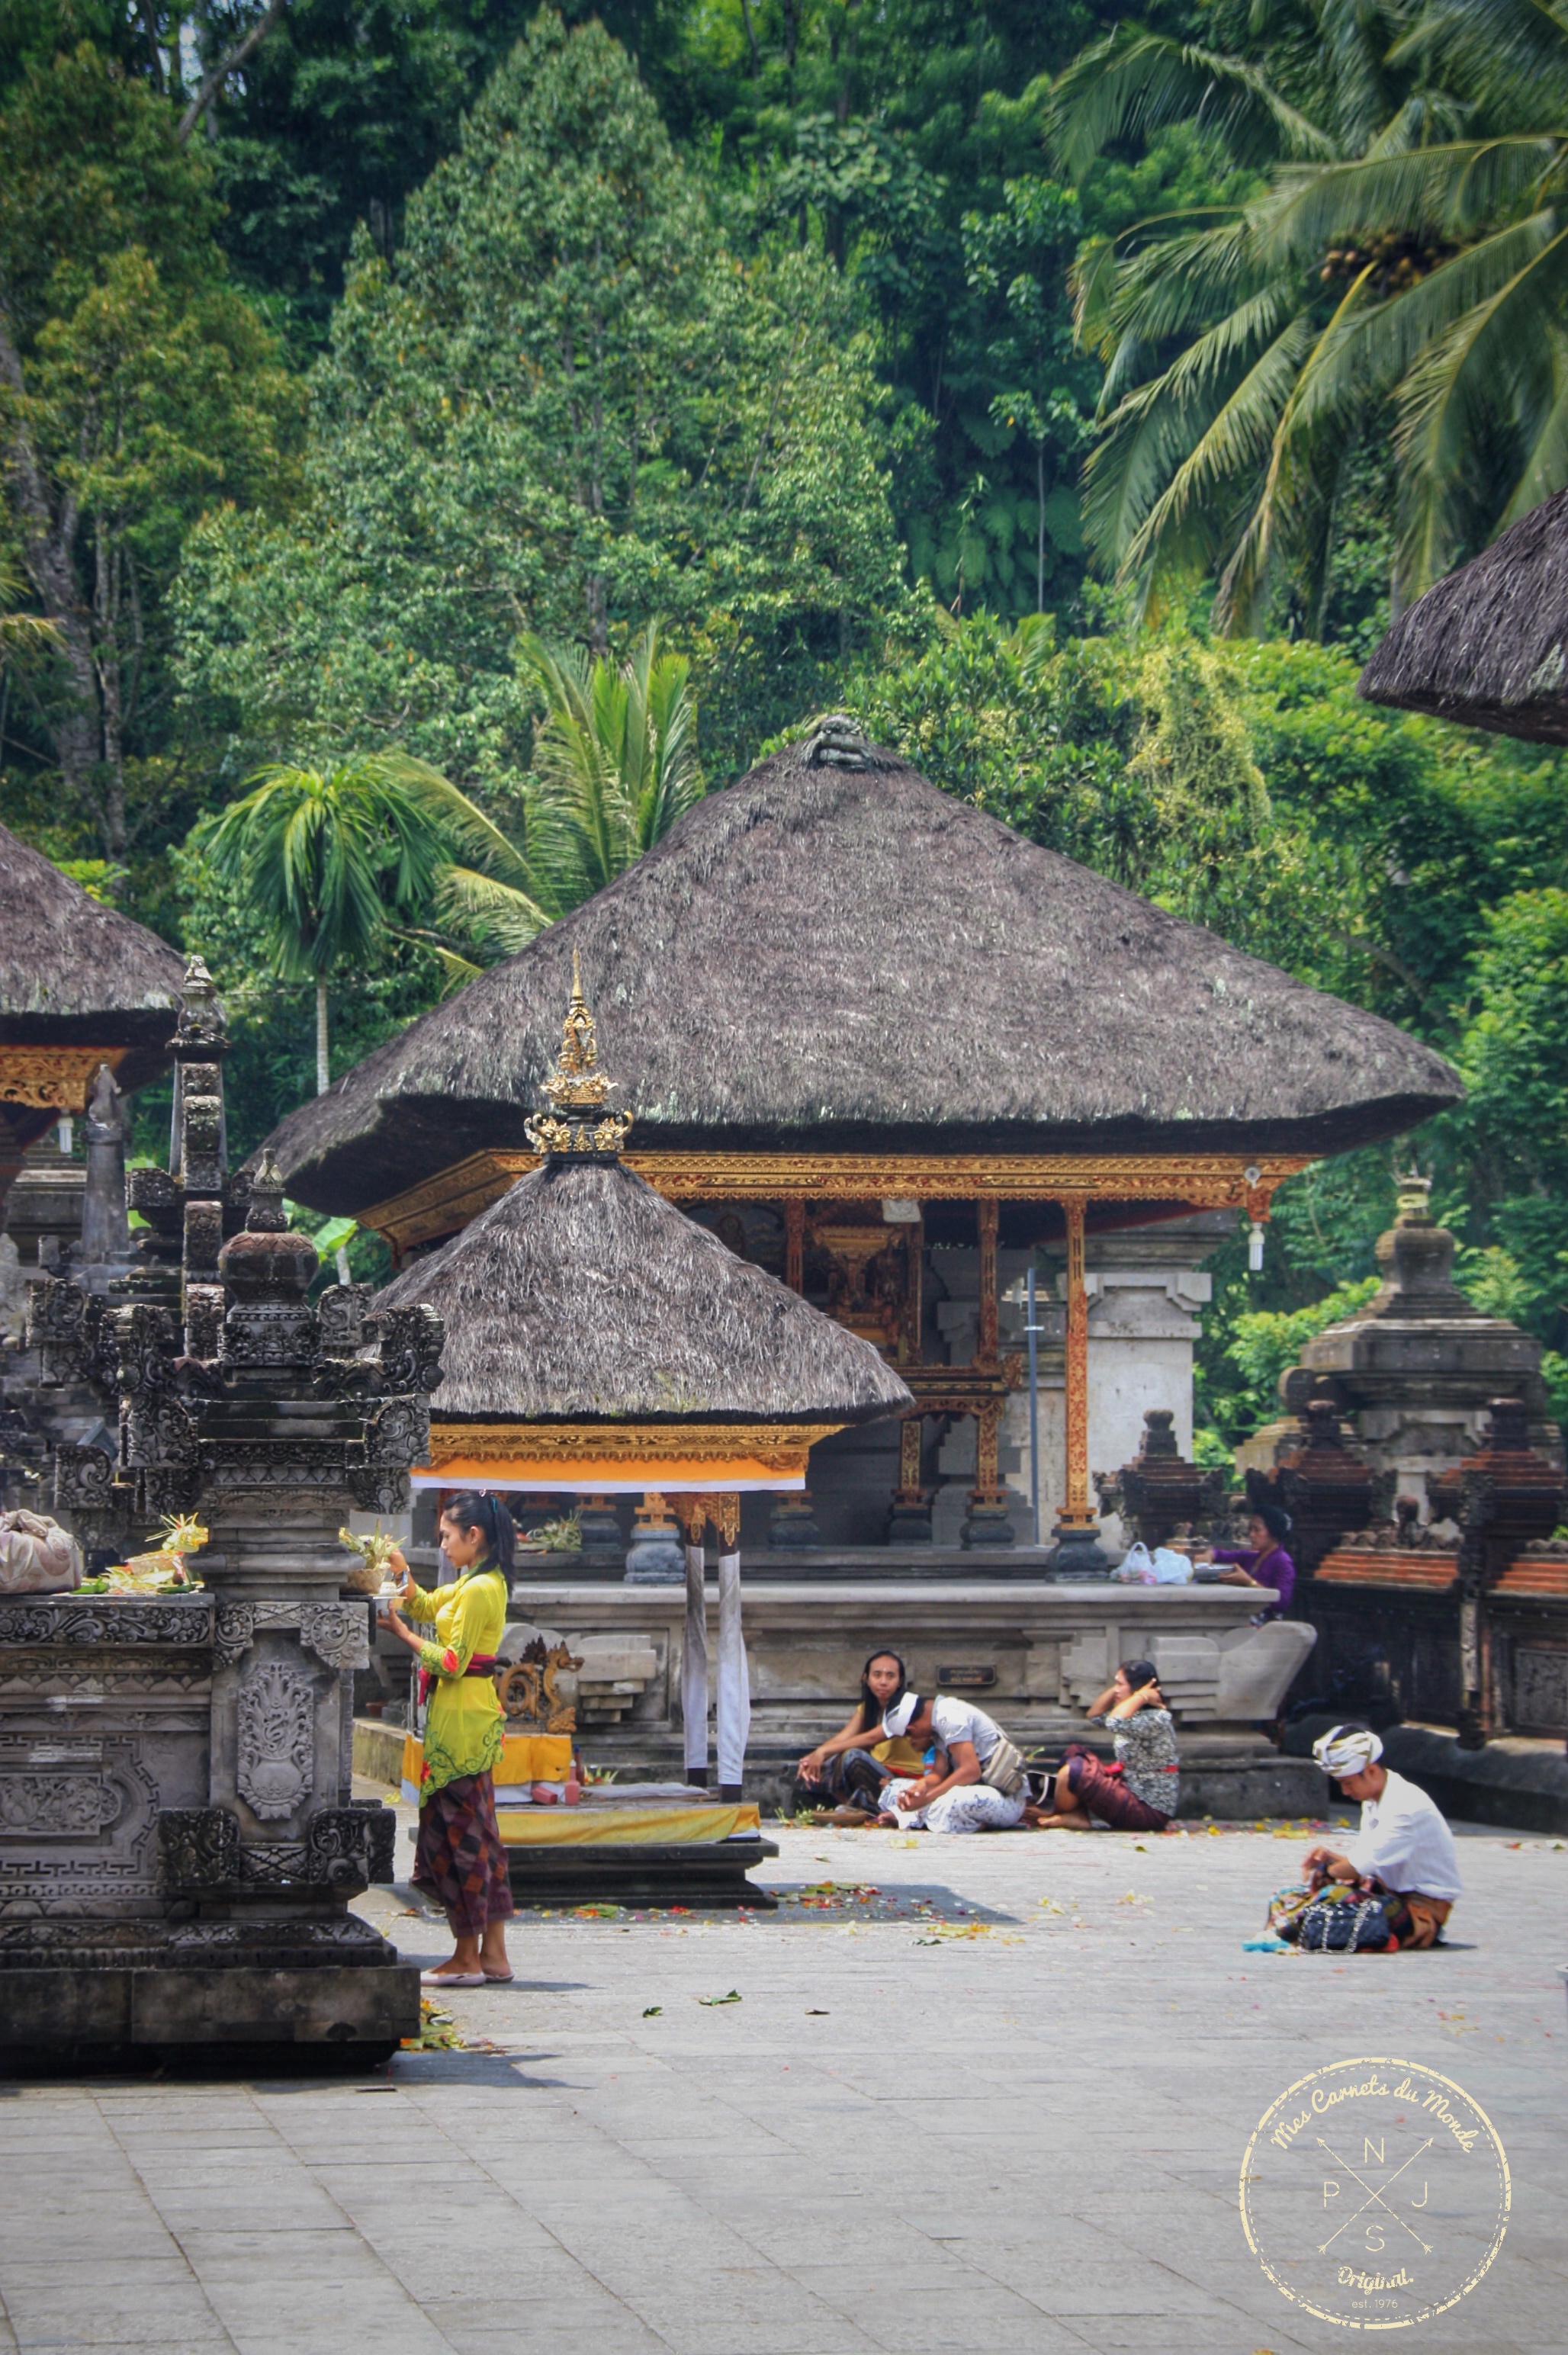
pixel 582 1293
pixel 75 973
pixel 1488 646
pixel 844 958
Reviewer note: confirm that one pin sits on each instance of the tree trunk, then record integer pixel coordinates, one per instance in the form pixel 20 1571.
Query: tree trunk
pixel 323 1069
pixel 1040 527
pixel 46 538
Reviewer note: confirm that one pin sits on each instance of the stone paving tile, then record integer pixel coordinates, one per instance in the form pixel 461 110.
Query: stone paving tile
pixel 714 2181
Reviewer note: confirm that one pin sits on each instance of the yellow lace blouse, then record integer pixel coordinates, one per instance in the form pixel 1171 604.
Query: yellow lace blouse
pixel 463 1722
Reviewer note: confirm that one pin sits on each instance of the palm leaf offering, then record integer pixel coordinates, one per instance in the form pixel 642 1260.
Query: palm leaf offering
pixel 164 1567
pixel 374 1553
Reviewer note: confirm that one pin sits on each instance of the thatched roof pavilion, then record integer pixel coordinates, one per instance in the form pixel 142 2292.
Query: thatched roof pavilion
pixel 835 990
pixel 597 1338
pixel 845 958
pixel 80 984
pixel 1488 646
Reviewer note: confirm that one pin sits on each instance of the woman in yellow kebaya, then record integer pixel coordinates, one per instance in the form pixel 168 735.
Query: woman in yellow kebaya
pixel 459 1858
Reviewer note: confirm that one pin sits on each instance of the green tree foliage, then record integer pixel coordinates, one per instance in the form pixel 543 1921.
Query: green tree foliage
pixel 136 386
pixel 614 766
pixel 326 860
pixel 564 407
pixel 1375 855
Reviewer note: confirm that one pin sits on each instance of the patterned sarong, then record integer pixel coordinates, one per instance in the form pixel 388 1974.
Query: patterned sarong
pixel 1106 1795
pixel 459 1857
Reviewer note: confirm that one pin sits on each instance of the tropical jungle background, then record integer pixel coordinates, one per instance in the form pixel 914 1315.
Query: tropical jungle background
pixel 440 438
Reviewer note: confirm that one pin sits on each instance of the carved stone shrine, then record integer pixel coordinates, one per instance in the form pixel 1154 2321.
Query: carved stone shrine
pixel 178 1835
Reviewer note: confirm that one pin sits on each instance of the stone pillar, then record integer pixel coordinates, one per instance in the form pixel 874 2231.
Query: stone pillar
pixel 794 1242
pixel 1074 1553
pixel 106 1226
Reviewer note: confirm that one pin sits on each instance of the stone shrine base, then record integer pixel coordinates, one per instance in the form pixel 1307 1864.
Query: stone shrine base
pixel 95 2015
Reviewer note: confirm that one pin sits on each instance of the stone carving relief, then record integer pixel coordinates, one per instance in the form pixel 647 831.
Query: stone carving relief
pixel 277 1709
pixel 56 1806
pixel 234 1634
pixel 87 1623
pixel 198 1848
pixel 337 1633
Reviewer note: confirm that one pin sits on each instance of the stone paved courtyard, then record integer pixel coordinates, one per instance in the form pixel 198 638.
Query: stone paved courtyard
pixel 1000 2106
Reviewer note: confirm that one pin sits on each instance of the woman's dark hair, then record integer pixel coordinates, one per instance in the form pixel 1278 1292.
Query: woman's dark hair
pixel 470 1510
pixel 1139 1673
pixel 1274 1518
pixel 871 1709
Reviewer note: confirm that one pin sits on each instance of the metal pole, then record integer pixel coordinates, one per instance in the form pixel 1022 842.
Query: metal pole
pixel 1032 1328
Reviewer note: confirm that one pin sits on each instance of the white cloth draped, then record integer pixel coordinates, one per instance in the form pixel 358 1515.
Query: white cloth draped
pixel 694 1665
pixel 734 1677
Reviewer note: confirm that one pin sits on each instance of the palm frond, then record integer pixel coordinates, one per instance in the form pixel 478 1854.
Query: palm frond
pixel 1510 56
pixel 1428 192
pixel 1135 82
pixel 1469 375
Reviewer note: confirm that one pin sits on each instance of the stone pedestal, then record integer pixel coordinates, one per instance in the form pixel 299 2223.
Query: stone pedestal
pixel 656 1556
pixel 1159 1492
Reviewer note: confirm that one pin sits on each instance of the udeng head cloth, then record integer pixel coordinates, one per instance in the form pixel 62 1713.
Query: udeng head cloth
pixel 1346 1750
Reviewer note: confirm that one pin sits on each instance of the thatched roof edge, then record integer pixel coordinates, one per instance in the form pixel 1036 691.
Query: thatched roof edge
pixel 583 1295
pixel 1488 646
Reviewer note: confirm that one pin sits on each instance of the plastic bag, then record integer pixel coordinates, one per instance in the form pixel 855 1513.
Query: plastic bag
pixel 1170 1568
pixel 36 1556
pixel 1136 1567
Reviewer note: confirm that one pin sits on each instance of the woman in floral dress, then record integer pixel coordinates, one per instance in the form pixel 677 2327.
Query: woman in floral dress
pixel 1141 1797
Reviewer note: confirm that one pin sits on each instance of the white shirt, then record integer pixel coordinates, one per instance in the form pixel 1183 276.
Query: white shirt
pixel 1405 1842
pixel 958 1720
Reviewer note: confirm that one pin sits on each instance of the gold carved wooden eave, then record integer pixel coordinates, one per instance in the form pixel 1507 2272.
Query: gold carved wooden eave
pixel 621 1458
pixel 1206 1181
pixel 52 1079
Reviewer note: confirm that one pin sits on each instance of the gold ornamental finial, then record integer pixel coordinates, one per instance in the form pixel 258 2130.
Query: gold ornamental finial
pixel 577 1123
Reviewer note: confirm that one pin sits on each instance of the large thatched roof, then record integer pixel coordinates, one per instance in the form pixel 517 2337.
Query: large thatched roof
pixel 1488 646
pixel 75 973
pixel 581 1292
pixel 850 959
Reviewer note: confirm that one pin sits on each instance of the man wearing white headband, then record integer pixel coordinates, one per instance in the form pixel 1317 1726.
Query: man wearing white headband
pixel 1404 1851
pixel 984 1789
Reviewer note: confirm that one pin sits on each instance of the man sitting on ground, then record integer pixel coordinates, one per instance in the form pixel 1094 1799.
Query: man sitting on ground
pixel 1403 1852
pixel 980 1785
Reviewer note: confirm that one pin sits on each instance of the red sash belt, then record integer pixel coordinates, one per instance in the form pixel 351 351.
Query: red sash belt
pixel 483 1664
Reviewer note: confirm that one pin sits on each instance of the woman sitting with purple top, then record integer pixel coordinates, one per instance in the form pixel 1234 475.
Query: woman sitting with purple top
pixel 1261 1562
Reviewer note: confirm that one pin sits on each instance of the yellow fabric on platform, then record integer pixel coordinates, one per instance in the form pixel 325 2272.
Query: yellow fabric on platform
pixel 636 1827
pixel 525 1758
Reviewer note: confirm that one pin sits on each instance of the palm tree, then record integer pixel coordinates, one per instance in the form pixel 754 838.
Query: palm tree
pixel 327 859
pixel 615 764
pixel 1408 255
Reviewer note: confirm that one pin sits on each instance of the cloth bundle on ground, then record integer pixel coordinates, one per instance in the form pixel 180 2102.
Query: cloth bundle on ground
pixel 36 1556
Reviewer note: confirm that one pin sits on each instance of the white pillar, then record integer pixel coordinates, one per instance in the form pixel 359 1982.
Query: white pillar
pixel 694 1668
pixel 735 1681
